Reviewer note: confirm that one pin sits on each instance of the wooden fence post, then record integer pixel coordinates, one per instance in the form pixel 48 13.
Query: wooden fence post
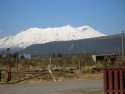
pixel 0 75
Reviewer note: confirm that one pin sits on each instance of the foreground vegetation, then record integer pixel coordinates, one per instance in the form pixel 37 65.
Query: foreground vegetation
pixel 68 67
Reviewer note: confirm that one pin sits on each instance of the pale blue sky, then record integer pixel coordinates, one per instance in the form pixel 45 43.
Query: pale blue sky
pixel 106 16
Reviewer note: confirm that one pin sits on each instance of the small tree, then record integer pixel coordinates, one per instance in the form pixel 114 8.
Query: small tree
pixel 22 57
pixel 53 55
pixel 59 55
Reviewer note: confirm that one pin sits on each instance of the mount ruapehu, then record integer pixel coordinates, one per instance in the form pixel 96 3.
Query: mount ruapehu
pixel 44 35
pixel 64 40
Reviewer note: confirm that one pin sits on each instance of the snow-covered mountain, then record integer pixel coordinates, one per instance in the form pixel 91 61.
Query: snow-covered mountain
pixel 40 36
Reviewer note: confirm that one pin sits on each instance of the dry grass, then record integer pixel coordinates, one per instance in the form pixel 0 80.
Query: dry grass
pixel 99 92
pixel 60 76
pixel 90 76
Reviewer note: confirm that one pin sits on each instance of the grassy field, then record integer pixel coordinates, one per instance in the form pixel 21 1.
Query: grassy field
pixel 71 67
pixel 99 92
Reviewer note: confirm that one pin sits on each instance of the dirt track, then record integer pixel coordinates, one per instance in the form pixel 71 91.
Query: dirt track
pixel 71 87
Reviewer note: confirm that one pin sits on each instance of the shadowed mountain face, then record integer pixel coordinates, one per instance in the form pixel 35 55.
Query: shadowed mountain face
pixel 105 44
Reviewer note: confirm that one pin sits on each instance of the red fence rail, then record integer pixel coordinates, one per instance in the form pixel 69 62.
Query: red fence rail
pixel 114 81
pixel 0 75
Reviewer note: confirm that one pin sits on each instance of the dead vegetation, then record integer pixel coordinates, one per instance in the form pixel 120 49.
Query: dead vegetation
pixel 74 67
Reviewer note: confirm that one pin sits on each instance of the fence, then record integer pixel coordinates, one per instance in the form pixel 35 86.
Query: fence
pixel 5 75
pixel 0 75
pixel 114 81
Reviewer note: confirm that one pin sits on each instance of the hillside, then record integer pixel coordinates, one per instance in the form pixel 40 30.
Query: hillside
pixel 105 44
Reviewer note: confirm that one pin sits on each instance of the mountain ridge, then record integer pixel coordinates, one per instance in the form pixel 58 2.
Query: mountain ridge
pixel 43 35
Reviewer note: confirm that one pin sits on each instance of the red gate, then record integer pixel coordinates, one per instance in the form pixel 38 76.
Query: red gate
pixel 114 81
